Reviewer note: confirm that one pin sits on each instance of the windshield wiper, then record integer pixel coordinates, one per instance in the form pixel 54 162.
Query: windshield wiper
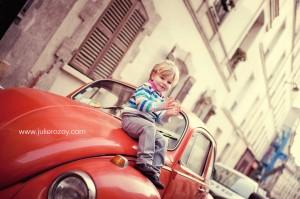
pixel 112 107
pixel 168 134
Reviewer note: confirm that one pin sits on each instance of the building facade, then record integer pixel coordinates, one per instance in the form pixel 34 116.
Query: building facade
pixel 285 183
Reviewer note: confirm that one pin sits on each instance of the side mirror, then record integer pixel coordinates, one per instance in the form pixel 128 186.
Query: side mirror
pixel 255 196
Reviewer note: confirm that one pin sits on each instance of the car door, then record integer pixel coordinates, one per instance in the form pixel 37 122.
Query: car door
pixel 188 176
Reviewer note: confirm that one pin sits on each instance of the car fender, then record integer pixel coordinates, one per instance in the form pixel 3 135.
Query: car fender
pixel 110 181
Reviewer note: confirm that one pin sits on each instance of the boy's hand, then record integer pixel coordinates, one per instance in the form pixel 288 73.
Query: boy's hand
pixel 170 104
pixel 172 112
pixel 174 108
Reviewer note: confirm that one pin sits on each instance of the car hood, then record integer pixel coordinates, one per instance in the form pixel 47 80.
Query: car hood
pixel 39 130
pixel 220 190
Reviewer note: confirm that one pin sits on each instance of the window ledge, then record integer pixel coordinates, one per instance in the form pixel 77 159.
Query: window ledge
pixel 70 70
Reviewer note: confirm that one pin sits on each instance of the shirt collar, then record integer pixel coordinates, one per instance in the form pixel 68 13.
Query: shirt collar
pixel 153 86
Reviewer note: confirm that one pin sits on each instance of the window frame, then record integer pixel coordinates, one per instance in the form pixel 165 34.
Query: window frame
pixel 189 149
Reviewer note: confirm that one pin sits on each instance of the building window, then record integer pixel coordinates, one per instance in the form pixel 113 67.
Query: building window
pixel 274 9
pixel 110 38
pixel 275 39
pixel 204 16
pixel 186 81
pixel 238 56
pixel 184 90
pixel 221 9
pixel 209 15
pixel 204 107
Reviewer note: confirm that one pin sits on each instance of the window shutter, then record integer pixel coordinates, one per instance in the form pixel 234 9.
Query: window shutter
pixel 189 82
pixel 204 108
pixel 110 38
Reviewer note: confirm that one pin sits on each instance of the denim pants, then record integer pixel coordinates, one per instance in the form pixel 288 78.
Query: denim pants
pixel 152 145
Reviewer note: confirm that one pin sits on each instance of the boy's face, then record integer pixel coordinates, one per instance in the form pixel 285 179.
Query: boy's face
pixel 162 83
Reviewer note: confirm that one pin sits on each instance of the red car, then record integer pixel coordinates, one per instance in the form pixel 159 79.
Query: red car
pixel 73 147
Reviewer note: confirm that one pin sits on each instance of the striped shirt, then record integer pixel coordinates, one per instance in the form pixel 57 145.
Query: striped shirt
pixel 146 102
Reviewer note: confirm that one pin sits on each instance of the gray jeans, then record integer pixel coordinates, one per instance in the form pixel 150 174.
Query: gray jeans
pixel 152 145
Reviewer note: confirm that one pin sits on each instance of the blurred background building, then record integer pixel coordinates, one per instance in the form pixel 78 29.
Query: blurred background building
pixel 239 63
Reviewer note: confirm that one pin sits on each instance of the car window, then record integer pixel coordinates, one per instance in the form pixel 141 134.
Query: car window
pixel 196 152
pixel 173 130
pixel 97 97
pixel 105 94
pixel 110 96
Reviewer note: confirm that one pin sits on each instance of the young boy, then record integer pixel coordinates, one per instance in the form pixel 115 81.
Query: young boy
pixel 146 107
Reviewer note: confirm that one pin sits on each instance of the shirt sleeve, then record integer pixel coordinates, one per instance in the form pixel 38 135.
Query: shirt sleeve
pixel 144 101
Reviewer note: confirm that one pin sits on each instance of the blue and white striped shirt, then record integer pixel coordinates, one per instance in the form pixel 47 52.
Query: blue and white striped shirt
pixel 147 102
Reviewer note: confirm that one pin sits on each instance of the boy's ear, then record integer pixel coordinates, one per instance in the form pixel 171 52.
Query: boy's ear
pixel 151 75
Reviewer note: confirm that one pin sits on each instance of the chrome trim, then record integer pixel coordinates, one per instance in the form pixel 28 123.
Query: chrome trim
pixel 79 174
pixel 166 168
pixel 101 80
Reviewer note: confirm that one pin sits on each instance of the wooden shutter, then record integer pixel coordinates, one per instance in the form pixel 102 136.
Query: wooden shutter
pixel 204 107
pixel 110 38
pixel 189 82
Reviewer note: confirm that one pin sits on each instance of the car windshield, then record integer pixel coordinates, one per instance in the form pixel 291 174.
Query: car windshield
pixel 240 184
pixel 110 96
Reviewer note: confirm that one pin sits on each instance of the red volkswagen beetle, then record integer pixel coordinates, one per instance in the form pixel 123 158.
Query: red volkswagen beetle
pixel 73 147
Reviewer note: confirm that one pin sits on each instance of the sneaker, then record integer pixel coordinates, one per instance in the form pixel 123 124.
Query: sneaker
pixel 145 169
pixel 155 180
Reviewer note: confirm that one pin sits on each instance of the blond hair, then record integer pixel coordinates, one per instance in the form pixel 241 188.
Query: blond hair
pixel 166 68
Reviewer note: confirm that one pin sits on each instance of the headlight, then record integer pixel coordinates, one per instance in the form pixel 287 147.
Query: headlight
pixel 72 185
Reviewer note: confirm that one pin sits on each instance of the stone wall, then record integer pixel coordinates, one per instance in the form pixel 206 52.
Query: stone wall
pixel 23 43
